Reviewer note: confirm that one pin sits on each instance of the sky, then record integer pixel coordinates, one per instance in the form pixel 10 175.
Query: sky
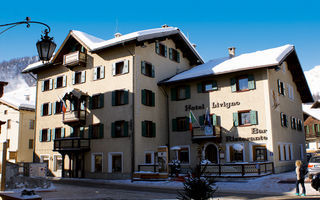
pixel 212 25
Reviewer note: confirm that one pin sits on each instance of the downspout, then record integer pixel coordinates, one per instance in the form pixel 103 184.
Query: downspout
pixel 168 126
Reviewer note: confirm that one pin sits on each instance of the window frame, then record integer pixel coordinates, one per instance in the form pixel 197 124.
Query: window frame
pixel 178 154
pixel 93 163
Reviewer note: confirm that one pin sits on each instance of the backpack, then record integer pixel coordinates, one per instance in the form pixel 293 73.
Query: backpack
pixel 303 172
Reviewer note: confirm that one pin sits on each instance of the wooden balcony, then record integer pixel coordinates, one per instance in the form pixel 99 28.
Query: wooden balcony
pixel 74 59
pixel 200 134
pixel 64 145
pixel 74 118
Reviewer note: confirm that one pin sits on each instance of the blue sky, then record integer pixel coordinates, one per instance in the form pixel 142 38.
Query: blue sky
pixel 212 25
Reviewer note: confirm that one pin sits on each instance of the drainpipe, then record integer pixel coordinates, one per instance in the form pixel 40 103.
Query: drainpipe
pixel 168 125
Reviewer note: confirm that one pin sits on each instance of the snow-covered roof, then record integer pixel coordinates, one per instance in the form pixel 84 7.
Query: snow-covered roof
pixel 258 59
pixel 23 98
pixel 314 112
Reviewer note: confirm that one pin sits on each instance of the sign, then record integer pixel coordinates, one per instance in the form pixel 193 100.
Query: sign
pixel 208 130
pixel 236 139
pixel 225 104
pixel 258 131
pixel 190 107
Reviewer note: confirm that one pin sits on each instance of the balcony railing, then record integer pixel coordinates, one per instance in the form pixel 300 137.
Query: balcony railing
pixel 71 144
pixel 74 117
pixel 74 58
pixel 203 134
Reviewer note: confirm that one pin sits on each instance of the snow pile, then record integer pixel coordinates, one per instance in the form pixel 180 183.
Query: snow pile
pixel 23 97
pixel 314 112
pixel 313 77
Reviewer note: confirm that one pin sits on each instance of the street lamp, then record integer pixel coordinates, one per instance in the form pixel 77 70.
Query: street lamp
pixel 45 46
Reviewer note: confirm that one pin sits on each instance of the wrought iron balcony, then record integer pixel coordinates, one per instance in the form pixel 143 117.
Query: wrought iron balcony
pixel 71 144
pixel 73 118
pixel 74 59
pixel 201 134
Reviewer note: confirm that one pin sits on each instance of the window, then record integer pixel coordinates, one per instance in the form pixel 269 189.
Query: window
pixel 147 69
pixel 96 101
pixel 96 131
pixel 46 109
pixel 31 124
pixel 8 143
pixel 46 85
pixel 290 92
pixel 148 129
pixel 12 155
pixel 293 123
pixel 30 143
pixel 45 135
pixel 45 159
pixel 57 163
pixel 97 162
pixel 245 117
pixel 243 83
pixel 306 130
pixel 299 125
pixel 284 120
pixel 8 123
pixel 60 82
pixel 119 129
pixel 57 107
pixel 174 55
pixel 285 151
pixel 149 157
pixel 180 124
pixel 78 77
pixel 74 132
pixel 117 163
pixel 58 133
pixel 236 152
pixel 98 73
pixel 147 98
pixel 120 97
pixel 5 112
pixel 121 67
pixel 183 155
pixel 259 153
pixel 161 49
pixel 281 88
pixel 180 93
pixel 207 86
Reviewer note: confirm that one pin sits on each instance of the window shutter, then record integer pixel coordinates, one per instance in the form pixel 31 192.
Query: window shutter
pixel 41 110
pixel 40 135
pixel 101 100
pixel 178 57
pixel 143 67
pixel 55 82
pixel 90 102
pixel 54 107
pixel 125 129
pixel 188 93
pixel 307 129
pixel 174 124
pixel 152 71
pixel 126 67
pixel 95 73
pixel 49 135
pixel 153 99
pixel 313 129
pixel 113 130
pixel 102 72
pixel 64 81
pixel 71 132
pixel 199 87
pixel 165 51
pixel 73 78
pixel 101 129
pixel 214 85
pixel 233 85
pixel 235 119
pixel 63 132
pixel 214 120
pixel 251 82
pixel 144 129
pixel 113 69
pixel 81 129
pixel 50 108
pixel 253 117
pixel 83 76
pixel 318 127
pixel 53 134
pixel 153 129
pixel 143 97
pixel 90 131
pixel 157 47
pixel 201 120
pixel 42 86
pixel 173 94
pixel 170 53
pixel 113 100
pixel 126 96
pixel 281 119
pixel 279 86
pixel 50 84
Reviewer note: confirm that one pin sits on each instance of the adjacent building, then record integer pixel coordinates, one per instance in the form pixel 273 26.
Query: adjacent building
pixel 312 126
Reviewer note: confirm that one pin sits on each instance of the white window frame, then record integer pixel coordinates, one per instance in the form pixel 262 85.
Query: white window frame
pixel 42 158
pixel 286 152
pixel 93 159
pixel 102 72
pixel 110 154
pixel 125 69
pixel 177 154
pixel 228 151
pixel 152 157
pixel 251 150
pixel 55 158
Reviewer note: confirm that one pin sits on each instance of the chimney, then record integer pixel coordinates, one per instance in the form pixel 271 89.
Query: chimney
pixel 232 52
pixel 194 45
pixel 164 26
pixel 116 35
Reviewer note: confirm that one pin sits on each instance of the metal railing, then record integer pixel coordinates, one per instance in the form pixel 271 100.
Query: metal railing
pixel 71 144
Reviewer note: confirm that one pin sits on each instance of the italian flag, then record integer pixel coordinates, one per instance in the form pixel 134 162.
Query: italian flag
pixel 192 119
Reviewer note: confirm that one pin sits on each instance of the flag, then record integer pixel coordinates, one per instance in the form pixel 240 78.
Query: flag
pixel 207 120
pixel 192 119
pixel 63 106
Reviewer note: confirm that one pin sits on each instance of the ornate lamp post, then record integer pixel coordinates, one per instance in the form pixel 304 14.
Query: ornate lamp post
pixel 45 46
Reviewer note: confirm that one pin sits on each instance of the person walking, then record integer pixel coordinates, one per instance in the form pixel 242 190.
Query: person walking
pixel 300 171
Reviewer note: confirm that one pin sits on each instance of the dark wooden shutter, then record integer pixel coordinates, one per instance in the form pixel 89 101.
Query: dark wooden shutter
pixel 199 87
pixel 113 100
pixel 101 130
pixel 153 129
pixel 90 102
pixel 101 100
pixel 125 129
pixel 143 129
pixel 126 96
pixel 173 94
pixel 90 131
pixel 113 130
pixel 143 97
pixel 153 99
pixel 174 124
pixel 178 57
pixel 188 92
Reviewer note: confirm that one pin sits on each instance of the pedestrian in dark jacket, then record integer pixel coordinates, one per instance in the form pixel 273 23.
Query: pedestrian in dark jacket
pixel 300 178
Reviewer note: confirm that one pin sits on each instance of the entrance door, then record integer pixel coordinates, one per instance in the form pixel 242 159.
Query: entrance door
pixel 211 153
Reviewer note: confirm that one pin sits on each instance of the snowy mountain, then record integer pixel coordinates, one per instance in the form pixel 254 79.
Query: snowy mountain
pixel 10 71
pixel 313 78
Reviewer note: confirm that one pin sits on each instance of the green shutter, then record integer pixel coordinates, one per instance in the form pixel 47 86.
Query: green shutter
pixel 152 71
pixel 251 82
pixel 170 53
pixel 307 129
pixel 81 129
pixel 233 85
pixel 253 117
pixel 63 130
pixel 64 79
pixel 54 108
pixel 143 97
pixel 143 129
pixel 90 102
pixel 143 67
pixel 214 85
pixel 113 98
pixel 113 130
pixel 188 93
pixel 42 86
pixel 74 78
pixel 90 131
pixel 214 120
pixel 50 108
pixel 101 130
pixel 41 110
pixel 165 51
pixel 153 129
pixel 126 96
pixel 178 57
pixel 71 132
pixel 125 129
pixel 173 94
pixel 318 127
pixel 153 99
pixel 157 47
pixel 101 102
pixel 54 134
pixel 49 135
pixel 201 120
pixel 235 119
pixel 40 135
pixel 199 87
pixel 174 124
